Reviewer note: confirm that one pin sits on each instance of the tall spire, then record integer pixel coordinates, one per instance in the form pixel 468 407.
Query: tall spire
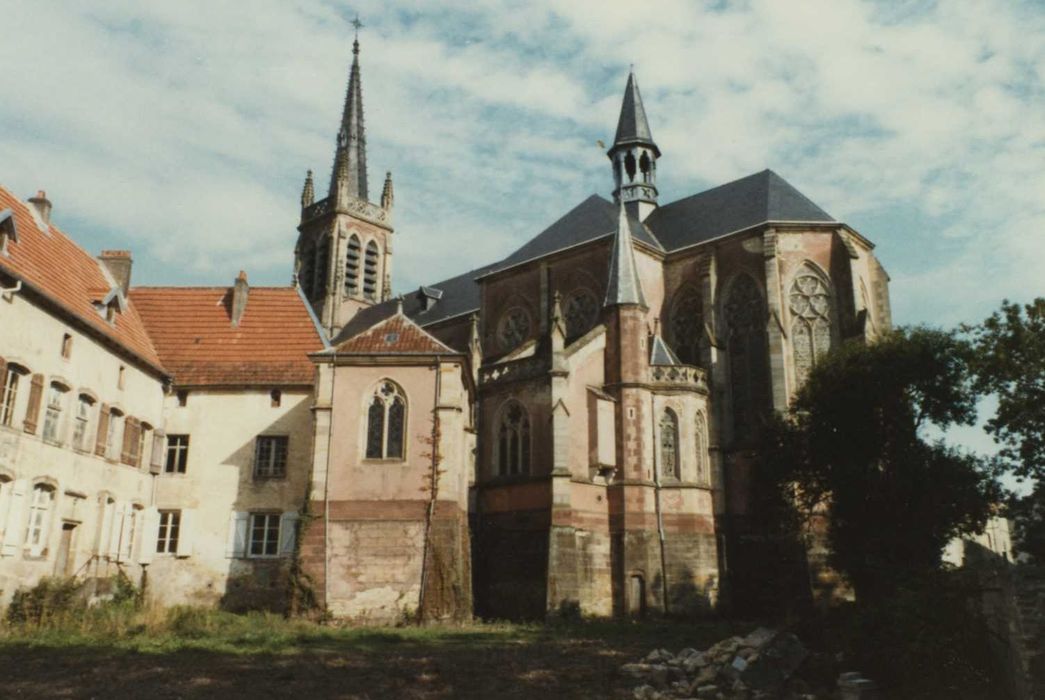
pixel 623 286
pixel 634 155
pixel 349 174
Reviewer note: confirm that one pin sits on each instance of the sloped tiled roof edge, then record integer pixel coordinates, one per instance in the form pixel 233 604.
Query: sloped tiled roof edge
pixel 392 335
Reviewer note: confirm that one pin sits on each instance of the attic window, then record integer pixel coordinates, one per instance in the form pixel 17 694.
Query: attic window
pixel 276 397
pixel 391 338
pixel 183 398
pixel 7 229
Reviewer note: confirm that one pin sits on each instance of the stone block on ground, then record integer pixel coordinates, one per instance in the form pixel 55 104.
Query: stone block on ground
pixel 775 663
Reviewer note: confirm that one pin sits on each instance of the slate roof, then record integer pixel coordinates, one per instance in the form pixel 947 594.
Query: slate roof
pixel 632 125
pixel 394 335
pixel 623 286
pixel 193 332
pixel 661 355
pixel 734 206
pixel 70 278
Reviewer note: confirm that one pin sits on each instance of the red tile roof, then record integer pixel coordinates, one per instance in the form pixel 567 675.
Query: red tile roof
pixel 193 332
pixel 396 335
pixel 66 275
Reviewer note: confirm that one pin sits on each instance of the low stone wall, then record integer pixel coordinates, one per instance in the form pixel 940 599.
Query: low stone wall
pixel 1013 604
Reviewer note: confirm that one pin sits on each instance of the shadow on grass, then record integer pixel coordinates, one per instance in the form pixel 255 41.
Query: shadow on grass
pixel 505 661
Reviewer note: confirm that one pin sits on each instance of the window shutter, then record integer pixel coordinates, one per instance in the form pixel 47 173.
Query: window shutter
pixel 185 532
pixel 14 532
pixel 150 532
pixel 103 430
pixel 159 440
pixel 5 506
pixel 237 542
pixel 127 448
pixel 126 534
pixel 3 377
pixel 112 548
pixel 288 530
pixel 32 411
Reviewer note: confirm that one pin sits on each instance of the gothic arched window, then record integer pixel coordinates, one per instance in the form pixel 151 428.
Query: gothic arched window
pixel 513 440
pixel 352 262
pixel 322 270
pixel 370 271
pixel 580 310
pixel 386 422
pixel 513 328
pixel 305 268
pixel 700 442
pixel 811 320
pixel 669 445
pixel 745 314
pixel 687 325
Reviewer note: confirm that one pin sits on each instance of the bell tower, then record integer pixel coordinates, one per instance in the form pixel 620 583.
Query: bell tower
pixel 343 257
pixel 634 156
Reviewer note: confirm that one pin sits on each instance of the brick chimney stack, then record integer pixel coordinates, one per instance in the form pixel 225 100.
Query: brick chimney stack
pixel 42 205
pixel 118 263
pixel 240 291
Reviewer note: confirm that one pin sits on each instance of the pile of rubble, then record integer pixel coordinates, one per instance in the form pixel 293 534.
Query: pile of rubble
pixel 760 665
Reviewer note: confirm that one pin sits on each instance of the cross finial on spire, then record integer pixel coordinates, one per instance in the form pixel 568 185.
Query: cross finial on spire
pixel 358 25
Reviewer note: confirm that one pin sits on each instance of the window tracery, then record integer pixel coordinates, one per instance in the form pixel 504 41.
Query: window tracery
pixel 745 314
pixel 580 311
pixel 322 267
pixel 687 325
pixel 700 433
pixel 810 301
pixel 386 423
pixel 669 445
pixel 513 440
pixel 513 328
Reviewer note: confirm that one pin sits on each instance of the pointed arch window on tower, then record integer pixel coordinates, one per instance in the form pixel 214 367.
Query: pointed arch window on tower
pixel 386 422
pixel 810 301
pixel 629 166
pixel 745 314
pixel 687 325
pixel 669 445
pixel 352 263
pixel 370 271
pixel 322 270
pixel 645 166
pixel 513 440
pixel 306 260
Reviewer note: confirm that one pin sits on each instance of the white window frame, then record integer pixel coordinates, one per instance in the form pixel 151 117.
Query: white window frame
pixel 9 391
pixel 41 512
pixel 52 430
pixel 270 539
pixel 168 520
pixel 181 451
pixel 265 467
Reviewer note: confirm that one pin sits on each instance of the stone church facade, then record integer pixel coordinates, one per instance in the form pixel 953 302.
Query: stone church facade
pixel 564 430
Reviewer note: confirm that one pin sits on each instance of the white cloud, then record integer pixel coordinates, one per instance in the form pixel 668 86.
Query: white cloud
pixel 183 129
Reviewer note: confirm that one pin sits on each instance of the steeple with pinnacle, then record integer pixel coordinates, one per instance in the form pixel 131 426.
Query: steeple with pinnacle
pixel 634 155
pixel 623 286
pixel 349 175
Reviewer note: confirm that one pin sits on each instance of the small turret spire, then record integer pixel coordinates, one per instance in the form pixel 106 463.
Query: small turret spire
pixel 387 196
pixel 623 286
pixel 349 175
pixel 308 192
pixel 634 155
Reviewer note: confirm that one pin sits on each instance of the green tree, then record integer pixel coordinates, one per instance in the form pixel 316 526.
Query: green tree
pixel 1008 359
pixel 853 447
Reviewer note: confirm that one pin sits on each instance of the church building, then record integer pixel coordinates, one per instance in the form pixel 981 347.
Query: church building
pixel 565 430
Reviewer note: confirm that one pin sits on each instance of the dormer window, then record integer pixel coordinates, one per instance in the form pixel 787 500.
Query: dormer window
pixel 8 232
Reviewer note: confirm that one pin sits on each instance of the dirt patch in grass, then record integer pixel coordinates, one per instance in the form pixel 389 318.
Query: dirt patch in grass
pixel 481 661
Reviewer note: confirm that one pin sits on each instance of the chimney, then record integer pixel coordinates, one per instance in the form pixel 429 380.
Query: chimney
pixel 118 263
pixel 240 290
pixel 42 205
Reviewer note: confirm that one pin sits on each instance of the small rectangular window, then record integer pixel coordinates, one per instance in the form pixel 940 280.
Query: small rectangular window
pixel 167 536
pixel 277 398
pixel 270 456
pixel 183 398
pixel 10 396
pixel 67 346
pixel 264 534
pixel 177 454
pixel 121 378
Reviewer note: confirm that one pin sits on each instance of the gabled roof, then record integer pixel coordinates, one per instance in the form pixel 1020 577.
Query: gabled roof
pixel 734 206
pixel 632 125
pixel 193 332
pixel 660 354
pixel 392 335
pixel 66 275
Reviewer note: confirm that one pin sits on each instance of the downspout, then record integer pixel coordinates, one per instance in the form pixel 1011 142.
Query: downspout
pixel 434 485
pixel 326 488
pixel 12 290
pixel 660 514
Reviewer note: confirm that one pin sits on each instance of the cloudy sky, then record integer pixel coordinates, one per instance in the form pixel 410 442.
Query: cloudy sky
pixel 182 130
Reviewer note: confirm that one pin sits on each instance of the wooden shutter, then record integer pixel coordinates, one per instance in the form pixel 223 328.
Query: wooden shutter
pixel 150 532
pixel 127 448
pixel 14 532
pixel 185 532
pixel 288 530
pixel 32 411
pixel 112 549
pixel 236 546
pixel 159 451
pixel 103 430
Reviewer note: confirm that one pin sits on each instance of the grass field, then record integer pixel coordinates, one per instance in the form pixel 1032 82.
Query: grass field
pixel 190 653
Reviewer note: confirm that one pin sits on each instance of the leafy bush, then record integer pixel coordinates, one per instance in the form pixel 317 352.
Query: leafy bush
pixel 49 600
